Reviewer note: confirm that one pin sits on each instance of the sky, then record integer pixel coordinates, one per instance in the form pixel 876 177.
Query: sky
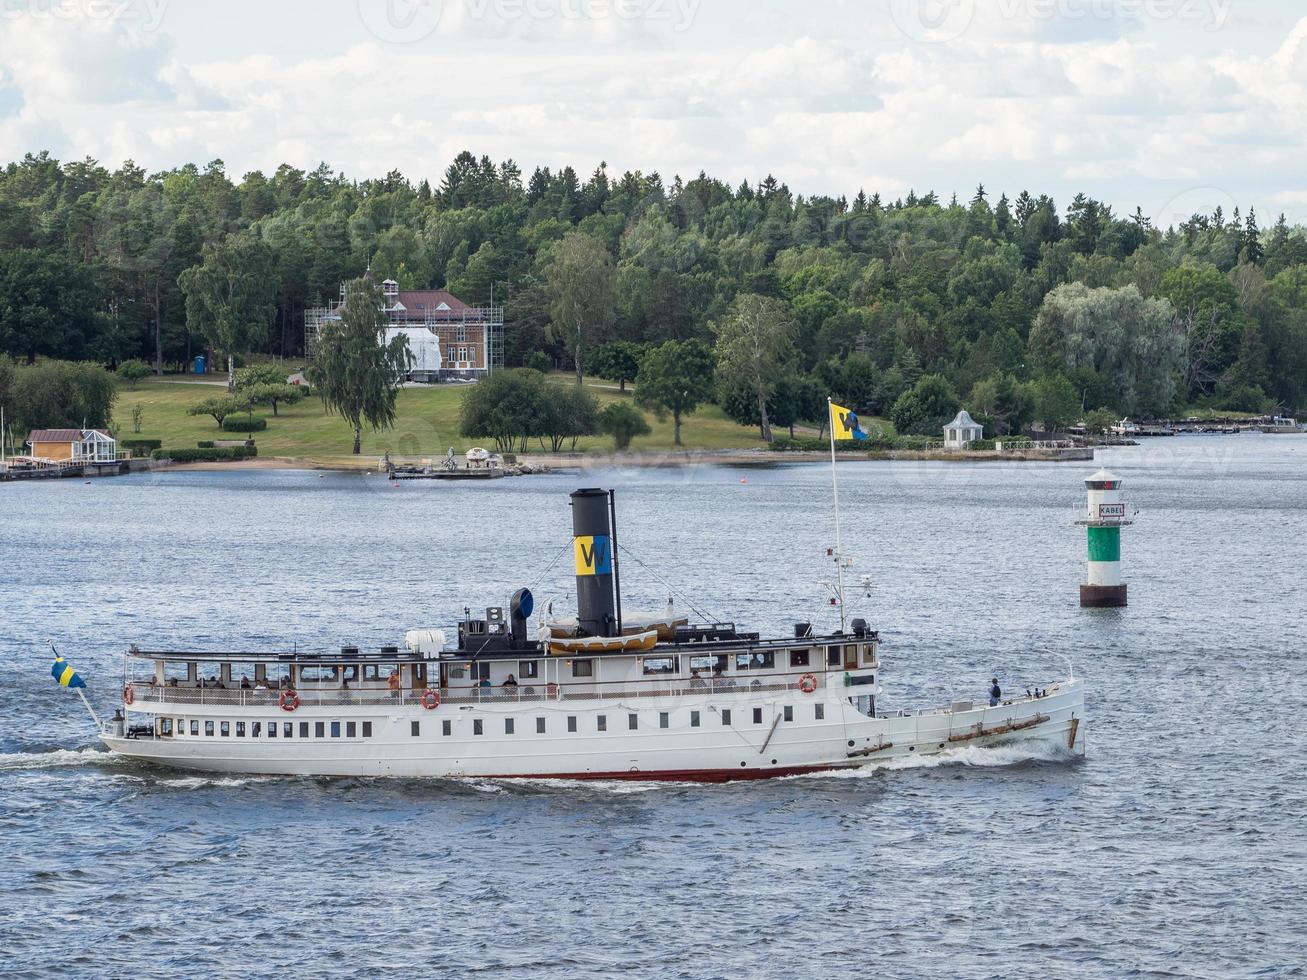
pixel 1174 106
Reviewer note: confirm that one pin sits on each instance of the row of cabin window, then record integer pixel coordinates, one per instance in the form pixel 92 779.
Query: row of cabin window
pixel 351 729
pixel 257 729
pixel 655 666
pixel 601 721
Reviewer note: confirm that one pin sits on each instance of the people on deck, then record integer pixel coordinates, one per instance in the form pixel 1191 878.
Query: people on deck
pixel 245 683
pixel 695 679
pixel 511 683
pixel 995 692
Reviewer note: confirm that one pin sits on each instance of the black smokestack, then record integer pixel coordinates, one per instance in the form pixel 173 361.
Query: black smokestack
pixel 593 547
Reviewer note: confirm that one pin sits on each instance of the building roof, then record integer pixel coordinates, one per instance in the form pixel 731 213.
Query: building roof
pixel 430 300
pixel 964 421
pixel 61 435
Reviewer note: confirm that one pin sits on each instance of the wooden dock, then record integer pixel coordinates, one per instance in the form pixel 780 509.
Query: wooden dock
pixel 434 473
pixel 65 470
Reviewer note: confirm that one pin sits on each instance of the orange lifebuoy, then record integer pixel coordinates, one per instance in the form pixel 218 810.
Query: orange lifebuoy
pixel 551 689
pixel 289 700
pixel 128 695
pixel 430 699
pixel 808 683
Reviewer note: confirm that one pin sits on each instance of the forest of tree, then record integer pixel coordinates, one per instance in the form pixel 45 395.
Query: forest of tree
pixel 1012 307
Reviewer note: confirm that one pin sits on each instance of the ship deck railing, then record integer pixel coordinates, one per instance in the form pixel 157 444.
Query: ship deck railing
pixel 164 695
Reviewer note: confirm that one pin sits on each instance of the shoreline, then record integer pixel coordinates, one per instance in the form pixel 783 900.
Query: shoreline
pixel 551 462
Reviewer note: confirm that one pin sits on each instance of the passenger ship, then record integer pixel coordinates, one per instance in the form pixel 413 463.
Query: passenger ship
pixel 602 696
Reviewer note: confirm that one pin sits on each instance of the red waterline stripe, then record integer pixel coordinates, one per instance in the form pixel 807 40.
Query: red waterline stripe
pixel 678 775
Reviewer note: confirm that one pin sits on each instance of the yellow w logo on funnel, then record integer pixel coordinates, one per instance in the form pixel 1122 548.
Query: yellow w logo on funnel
pixel 593 555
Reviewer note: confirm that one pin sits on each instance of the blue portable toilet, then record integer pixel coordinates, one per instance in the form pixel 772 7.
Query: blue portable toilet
pixel 199 364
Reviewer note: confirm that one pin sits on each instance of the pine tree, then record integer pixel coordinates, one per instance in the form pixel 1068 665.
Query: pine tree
pixel 1252 240
pixel 539 185
pixel 1003 217
pixel 1025 207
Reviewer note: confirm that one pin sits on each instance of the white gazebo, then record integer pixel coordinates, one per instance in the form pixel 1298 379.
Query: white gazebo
pixel 962 431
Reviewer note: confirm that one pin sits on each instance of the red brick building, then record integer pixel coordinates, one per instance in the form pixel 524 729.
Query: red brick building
pixel 450 340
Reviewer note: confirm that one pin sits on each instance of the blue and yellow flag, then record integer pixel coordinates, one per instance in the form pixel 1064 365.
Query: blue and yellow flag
pixel 844 423
pixel 63 672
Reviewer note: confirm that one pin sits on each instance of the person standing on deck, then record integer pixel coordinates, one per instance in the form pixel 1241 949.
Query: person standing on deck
pixel 995 692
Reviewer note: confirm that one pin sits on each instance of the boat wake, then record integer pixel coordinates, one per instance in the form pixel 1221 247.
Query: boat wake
pixel 58 758
pixel 975 756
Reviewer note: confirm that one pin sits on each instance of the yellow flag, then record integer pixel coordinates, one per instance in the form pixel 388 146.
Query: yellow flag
pixel 844 423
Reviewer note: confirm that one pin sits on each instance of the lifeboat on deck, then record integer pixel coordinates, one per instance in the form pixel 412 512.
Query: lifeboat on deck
pixel 631 643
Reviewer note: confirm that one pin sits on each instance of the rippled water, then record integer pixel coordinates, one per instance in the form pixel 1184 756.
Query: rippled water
pixel 1177 847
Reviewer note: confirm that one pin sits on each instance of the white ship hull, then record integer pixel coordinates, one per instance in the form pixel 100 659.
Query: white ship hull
pixel 767 735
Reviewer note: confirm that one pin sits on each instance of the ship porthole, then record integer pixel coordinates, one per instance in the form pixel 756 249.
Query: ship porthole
pixel 850 743
pixel 773 762
pixel 743 764
pixel 912 748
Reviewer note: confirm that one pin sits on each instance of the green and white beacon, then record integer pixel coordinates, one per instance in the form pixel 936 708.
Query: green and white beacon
pixel 1103 521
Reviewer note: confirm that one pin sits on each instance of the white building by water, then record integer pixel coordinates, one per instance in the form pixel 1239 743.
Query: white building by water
pixel 962 431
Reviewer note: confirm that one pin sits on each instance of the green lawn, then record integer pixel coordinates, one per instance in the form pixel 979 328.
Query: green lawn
pixel 427 425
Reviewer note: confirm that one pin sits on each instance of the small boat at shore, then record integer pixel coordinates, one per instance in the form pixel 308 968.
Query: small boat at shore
pixel 1281 425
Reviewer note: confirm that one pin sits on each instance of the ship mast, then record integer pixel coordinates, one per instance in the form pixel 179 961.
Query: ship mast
pixel 835 494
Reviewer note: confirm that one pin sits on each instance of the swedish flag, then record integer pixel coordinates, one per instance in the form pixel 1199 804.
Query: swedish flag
pixel 844 423
pixel 63 672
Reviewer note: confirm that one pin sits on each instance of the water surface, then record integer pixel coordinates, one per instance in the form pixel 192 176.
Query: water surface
pixel 1175 848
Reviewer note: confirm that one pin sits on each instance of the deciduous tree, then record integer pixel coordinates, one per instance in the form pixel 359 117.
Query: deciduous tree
pixel 580 280
pixel 623 422
pixel 231 296
pixel 676 377
pixel 754 339
pixel 354 372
